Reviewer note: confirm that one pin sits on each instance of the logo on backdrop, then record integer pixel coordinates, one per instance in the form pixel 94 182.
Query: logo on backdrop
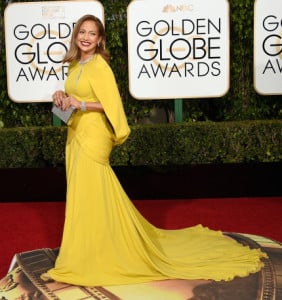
pixel 179 49
pixel 268 47
pixel 36 46
pixel 40 49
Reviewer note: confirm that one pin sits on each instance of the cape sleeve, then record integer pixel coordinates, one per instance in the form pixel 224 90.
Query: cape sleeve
pixel 105 88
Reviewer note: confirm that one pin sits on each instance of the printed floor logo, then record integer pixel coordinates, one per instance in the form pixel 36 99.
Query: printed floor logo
pixel 178 51
pixel 268 47
pixel 35 46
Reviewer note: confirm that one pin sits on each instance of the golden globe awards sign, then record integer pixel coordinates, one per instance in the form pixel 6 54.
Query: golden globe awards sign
pixel 268 47
pixel 178 49
pixel 37 35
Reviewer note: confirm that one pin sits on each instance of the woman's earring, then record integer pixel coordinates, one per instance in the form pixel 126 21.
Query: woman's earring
pixel 99 44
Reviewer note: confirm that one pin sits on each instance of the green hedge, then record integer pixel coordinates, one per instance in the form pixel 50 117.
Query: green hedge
pixel 206 142
pixel 20 147
pixel 159 145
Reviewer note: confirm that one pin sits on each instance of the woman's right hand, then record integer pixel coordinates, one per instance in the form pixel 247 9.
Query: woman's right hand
pixel 58 97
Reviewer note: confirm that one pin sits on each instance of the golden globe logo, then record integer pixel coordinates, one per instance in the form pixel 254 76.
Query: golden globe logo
pixel 37 36
pixel 178 50
pixel 174 48
pixel 268 47
pixel 40 50
pixel 272 43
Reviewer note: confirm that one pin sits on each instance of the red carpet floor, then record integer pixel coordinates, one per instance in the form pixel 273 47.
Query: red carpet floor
pixel 33 225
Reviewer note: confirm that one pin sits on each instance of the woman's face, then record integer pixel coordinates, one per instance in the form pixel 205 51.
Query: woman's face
pixel 87 38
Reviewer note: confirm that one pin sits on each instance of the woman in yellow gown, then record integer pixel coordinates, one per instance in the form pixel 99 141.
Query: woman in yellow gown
pixel 106 241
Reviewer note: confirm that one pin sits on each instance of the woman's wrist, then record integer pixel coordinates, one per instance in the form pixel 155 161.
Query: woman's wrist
pixel 82 105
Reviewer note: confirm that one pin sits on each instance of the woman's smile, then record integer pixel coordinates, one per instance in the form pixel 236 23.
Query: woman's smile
pixel 87 38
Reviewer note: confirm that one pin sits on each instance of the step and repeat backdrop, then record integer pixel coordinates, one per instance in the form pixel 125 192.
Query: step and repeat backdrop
pixel 37 36
pixel 268 47
pixel 176 49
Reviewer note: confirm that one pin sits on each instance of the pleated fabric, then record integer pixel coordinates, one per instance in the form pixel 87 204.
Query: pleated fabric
pixel 106 241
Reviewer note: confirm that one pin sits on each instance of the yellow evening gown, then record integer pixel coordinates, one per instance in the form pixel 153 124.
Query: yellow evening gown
pixel 106 241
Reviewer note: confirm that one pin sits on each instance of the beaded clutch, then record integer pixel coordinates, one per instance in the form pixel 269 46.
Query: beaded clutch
pixel 64 115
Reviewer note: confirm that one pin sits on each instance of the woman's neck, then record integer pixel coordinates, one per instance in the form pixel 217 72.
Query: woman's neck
pixel 85 59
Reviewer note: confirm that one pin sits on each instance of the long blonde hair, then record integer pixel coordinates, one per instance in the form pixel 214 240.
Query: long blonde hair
pixel 73 53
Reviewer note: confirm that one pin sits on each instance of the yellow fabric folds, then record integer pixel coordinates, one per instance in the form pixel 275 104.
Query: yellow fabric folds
pixel 95 82
pixel 106 241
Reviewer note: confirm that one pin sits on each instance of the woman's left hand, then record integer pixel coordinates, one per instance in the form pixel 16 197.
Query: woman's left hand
pixel 70 101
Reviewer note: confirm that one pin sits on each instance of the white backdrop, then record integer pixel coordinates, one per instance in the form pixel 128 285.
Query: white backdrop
pixel 268 47
pixel 37 35
pixel 178 49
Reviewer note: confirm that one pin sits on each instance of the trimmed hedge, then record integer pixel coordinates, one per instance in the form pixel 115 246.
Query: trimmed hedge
pixel 159 145
pixel 207 142
pixel 20 147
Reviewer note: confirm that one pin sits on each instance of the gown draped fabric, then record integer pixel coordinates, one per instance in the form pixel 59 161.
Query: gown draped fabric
pixel 106 241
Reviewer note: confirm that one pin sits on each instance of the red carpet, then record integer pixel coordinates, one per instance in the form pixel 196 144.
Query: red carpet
pixel 28 226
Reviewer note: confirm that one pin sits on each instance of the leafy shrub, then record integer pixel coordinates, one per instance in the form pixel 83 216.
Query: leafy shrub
pixel 154 145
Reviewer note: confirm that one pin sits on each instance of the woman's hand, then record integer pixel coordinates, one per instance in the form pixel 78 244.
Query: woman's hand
pixel 58 98
pixel 70 101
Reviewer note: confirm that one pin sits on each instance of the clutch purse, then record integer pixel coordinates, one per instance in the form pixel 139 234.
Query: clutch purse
pixel 64 115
